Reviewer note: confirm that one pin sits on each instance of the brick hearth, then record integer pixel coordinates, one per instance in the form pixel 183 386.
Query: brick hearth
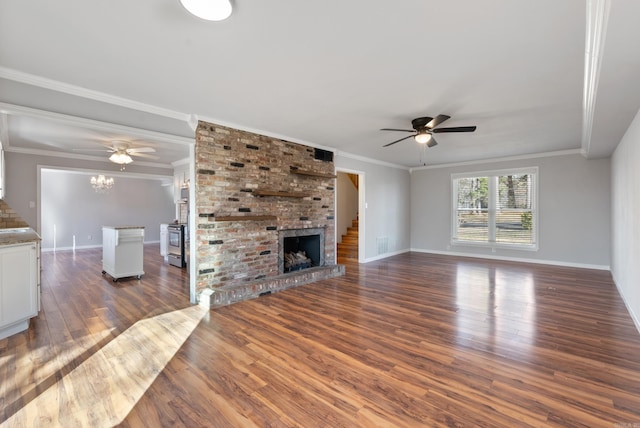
pixel 250 187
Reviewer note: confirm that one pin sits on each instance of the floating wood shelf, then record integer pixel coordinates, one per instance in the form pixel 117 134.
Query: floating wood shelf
pixel 280 193
pixel 246 218
pixel 312 173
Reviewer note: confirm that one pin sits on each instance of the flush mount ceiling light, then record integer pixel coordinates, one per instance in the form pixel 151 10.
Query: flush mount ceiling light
pixel 211 10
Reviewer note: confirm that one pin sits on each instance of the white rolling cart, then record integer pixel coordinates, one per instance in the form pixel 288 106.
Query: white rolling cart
pixel 123 251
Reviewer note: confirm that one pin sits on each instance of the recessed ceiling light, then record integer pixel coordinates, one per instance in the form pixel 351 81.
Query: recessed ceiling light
pixel 211 10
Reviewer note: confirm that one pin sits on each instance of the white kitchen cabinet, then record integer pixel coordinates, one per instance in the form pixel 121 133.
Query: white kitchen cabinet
pixel 123 251
pixel 19 287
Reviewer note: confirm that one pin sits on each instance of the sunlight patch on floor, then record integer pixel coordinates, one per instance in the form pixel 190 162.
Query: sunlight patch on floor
pixel 105 387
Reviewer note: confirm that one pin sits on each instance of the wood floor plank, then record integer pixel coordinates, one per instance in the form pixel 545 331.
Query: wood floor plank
pixel 412 340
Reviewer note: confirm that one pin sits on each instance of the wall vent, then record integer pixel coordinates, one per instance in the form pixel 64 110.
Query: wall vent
pixel 382 242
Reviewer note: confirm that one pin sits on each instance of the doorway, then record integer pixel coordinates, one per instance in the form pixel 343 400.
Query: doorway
pixel 349 216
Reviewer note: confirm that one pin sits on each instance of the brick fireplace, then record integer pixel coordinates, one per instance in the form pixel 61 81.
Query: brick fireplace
pixel 253 192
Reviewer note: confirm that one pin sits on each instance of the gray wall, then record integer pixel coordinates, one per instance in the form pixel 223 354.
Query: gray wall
pixel 574 215
pixel 387 194
pixel 22 181
pixel 625 214
pixel 346 204
pixel 71 209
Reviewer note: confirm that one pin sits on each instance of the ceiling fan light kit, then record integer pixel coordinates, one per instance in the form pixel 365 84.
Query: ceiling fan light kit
pixel 422 137
pixel 120 158
pixel 210 10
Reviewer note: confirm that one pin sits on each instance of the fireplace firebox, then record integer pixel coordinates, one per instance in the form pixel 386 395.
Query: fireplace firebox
pixel 301 249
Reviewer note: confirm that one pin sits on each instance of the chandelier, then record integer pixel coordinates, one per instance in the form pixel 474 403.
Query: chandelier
pixel 101 184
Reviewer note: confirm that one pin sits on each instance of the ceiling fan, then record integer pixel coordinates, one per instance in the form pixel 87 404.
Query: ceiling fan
pixel 121 152
pixel 425 127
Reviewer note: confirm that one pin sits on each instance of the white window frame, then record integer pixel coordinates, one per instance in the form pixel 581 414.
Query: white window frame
pixel 493 191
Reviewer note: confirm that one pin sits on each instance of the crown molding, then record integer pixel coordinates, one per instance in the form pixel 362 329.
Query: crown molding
pixel 42 82
pixel 66 155
pixel 370 160
pixel 503 159
pixel 596 30
pixel 12 109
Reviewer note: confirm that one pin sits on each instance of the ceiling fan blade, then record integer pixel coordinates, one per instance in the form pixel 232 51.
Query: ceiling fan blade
pixel 397 141
pixel 141 150
pixel 400 130
pixel 432 142
pixel 437 120
pixel 105 150
pixel 455 129
pixel 144 155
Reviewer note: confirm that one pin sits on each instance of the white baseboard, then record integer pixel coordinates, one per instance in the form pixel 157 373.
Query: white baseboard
pixel 515 259
pixel 383 256
pixel 79 247
pixel 634 317
pixel 84 247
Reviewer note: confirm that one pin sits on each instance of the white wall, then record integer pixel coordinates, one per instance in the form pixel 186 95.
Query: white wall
pixel 625 215
pixel 387 194
pixel 73 213
pixel 346 204
pixel 574 214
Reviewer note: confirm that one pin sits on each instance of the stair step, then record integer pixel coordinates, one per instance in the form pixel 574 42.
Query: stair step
pixel 344 244
pixel 348 248
pixel 348 255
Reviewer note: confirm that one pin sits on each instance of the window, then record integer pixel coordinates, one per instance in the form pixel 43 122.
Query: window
pixel 496 209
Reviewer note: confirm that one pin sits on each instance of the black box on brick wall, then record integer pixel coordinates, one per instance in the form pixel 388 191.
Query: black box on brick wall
pixel 323 155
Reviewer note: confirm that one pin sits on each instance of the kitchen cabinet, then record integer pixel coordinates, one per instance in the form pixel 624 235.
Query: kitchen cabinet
pixel 19 286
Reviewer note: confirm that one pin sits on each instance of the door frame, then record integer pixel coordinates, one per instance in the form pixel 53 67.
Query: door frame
pixel 362 205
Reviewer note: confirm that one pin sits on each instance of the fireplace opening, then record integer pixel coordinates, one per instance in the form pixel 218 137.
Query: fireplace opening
pixel 304 247
pixel 301 252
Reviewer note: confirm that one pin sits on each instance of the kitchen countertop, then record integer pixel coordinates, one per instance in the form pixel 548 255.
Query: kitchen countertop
pixel 123 227
pixel 18 235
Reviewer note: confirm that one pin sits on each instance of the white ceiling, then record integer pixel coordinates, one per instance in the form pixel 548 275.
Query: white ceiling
pixel 329 74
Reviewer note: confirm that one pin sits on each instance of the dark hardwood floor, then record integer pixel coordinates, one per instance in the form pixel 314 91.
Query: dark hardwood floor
pixel 412 340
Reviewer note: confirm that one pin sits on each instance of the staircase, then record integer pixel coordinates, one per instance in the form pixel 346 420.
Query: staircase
pixel 348 248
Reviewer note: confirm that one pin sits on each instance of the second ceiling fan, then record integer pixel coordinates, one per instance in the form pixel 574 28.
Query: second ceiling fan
pixel 424 127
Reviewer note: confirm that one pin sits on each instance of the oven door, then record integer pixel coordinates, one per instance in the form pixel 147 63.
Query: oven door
pixel 175 240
